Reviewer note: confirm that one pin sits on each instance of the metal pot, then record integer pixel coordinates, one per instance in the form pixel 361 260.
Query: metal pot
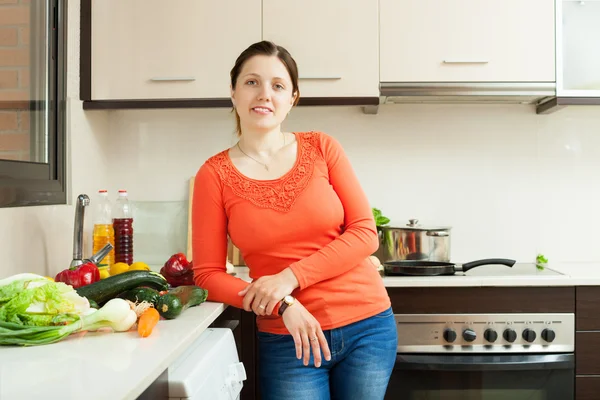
pixel 414 242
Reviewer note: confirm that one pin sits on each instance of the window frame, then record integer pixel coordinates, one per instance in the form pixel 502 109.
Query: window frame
pixel 31 183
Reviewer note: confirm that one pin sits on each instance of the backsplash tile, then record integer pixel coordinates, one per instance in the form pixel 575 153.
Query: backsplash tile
pixel 159 230
pixel 511 183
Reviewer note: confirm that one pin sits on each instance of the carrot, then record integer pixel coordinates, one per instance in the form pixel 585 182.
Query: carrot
pixel 148 321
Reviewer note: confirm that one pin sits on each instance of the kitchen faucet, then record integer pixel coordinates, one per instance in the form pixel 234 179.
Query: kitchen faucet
pixel 82 201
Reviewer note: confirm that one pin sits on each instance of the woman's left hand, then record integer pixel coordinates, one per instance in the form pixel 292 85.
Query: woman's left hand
pixel 262 295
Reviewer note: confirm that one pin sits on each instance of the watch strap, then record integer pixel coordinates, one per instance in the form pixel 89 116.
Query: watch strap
pixel 283 307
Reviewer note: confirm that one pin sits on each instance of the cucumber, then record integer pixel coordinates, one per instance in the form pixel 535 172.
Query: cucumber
pixel 179 299
pixel 109 288
pixel 140 294
pixel 169 306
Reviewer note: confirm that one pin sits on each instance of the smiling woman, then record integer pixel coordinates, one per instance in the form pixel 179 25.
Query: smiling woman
pixel 290 201
pixel 32 97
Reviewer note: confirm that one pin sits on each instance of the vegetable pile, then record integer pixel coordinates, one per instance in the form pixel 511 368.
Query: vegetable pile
pixel 35 310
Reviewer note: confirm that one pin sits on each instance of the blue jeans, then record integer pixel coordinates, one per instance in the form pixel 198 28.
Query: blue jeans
pixel 362 358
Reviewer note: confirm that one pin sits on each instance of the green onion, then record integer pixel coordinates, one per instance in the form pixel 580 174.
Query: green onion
pixel 116 314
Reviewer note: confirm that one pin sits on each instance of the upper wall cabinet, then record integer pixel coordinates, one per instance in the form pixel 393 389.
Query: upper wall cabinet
pixel 334 44
pixel 156 49
pixel 578 48
pixel 467 41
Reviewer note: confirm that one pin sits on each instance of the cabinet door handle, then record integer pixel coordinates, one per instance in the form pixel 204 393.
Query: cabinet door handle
pixel 320 78
pixel 466 61
pixel 172 79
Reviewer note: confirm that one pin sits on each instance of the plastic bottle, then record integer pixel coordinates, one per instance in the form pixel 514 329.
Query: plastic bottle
pixel 103 228
pixel 123 227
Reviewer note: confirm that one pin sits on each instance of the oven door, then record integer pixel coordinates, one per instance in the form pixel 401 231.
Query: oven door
pixel 482 377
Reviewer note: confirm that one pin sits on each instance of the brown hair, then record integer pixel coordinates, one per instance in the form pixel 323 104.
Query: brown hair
pixel 264 48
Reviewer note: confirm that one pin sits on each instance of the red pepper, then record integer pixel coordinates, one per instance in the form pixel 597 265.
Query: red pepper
pixel 177 265
pixel 181 280
pixel 79 276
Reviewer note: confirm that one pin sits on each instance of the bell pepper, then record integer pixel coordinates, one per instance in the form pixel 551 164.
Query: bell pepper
pixel 178 271
pixel 177 265
pixel 79 276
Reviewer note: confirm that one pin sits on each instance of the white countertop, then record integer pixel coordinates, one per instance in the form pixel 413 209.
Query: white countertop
pixel 572 274
pixel 100 365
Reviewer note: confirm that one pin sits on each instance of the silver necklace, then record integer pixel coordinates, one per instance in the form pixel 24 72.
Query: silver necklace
pixel 254 159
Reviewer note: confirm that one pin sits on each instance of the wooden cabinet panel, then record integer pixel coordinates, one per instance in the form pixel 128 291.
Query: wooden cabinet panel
pixel 153 49
pixel 334 44
pixel 587 353
pixel 587 317
pixel 587 387
pixel 467 41
pixel 417 300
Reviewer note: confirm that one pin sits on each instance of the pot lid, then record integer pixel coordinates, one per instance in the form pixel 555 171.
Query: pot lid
pixel 413 224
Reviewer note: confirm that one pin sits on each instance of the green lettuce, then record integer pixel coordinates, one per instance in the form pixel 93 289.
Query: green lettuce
pixel 40 302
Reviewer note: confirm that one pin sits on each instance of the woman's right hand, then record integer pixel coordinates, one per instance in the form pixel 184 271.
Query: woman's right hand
pixel 307 334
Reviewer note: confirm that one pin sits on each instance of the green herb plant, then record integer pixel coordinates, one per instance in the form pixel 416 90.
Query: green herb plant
pixel 541 261
pixel 380 220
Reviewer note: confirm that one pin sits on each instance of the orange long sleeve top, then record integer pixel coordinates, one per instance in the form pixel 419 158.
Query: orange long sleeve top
pixel 315 219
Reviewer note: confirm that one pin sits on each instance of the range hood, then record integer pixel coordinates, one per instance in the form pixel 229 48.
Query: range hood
pixel 467 92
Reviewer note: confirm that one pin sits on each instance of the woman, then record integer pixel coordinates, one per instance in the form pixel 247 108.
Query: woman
pixel 294 207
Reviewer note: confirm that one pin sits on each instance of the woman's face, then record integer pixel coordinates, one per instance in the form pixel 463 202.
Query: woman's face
pixel 263 94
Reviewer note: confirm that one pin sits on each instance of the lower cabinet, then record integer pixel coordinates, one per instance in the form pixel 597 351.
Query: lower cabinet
pixel 587 343
pixel 585 302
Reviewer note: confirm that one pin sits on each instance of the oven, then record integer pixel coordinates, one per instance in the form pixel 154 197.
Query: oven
pixel 484 357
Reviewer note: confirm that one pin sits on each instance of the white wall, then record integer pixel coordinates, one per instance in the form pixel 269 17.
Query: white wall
pixel 40 239
pixel 510 183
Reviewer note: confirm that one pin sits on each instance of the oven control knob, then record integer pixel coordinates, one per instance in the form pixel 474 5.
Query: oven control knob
pixel 469 335
pixel 548 335
pixel 510 335
pixel 449 335
pixel 529 335
pixel 490 335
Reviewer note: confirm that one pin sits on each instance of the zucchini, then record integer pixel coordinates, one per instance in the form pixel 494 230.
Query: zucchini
pixel 179 299
pixel 140 294
pixel 109 288
pixel 169 306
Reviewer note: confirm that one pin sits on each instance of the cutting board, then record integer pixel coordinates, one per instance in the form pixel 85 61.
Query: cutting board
pixel 188 254
pixel 233 253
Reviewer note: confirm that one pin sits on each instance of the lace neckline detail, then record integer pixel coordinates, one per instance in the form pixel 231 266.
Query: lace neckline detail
pixel 279 193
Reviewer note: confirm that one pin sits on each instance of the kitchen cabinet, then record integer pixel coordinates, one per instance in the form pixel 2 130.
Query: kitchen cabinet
pixel 467 41
pixel 587 342
pixel 334 45
pixel 578 58
pixel 152 49
pixel 152 54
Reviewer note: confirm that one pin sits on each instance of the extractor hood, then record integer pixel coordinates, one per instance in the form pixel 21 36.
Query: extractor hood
pixel 467 92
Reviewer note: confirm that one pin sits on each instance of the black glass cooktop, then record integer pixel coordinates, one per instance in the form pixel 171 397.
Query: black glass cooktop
pixel 491 270
pixel 515 270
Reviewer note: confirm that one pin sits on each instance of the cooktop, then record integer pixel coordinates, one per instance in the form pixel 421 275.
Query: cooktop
pixel 524 269
pixel 519 269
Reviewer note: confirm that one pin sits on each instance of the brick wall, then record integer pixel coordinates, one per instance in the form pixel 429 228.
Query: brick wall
pixel 14 80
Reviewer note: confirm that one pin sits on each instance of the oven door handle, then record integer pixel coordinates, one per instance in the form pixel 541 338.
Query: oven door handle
pixel 485 362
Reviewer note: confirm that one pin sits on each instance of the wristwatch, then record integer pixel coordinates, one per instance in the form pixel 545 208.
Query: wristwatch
pixel 286 302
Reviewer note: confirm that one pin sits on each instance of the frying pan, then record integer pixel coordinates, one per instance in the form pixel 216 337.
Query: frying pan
pixel 433 268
